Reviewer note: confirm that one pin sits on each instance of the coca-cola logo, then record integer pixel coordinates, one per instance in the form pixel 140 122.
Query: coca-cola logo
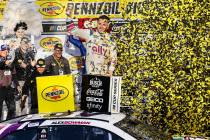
pixel 97 92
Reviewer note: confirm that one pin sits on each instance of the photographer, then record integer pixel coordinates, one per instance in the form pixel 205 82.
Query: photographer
pixel 24 59
pixel 8 82
pixel 24 62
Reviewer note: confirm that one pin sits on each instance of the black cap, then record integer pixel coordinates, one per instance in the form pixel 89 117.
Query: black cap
pixel 58 46
pixel 4 47
pixel 40 63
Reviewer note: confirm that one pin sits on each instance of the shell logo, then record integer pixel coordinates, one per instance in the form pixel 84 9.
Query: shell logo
pixel 55 93
pixel 49 42
pixel 51 9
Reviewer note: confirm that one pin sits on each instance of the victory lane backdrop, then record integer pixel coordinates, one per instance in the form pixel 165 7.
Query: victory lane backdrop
pixel 56 95
pixel 166 73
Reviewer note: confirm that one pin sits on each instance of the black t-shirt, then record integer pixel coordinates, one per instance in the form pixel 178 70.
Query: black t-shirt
pixel 22 73
pixel 57 67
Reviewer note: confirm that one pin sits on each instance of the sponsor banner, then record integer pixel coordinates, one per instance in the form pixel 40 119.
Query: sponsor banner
pixel 55 9
pixel 45 44
pixel 48 43
pixel 45 48
pixel 87 23
pixel 52 8
pixel 94 9
pixel 115 90
pixel 95 93
pixel 54 27
pixel 56 95
pixel 101 93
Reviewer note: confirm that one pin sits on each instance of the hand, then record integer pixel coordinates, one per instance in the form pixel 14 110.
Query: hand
pixel 8 62
pixel 12 44
pixel 19 89
pixel 109 73
pixel 23 101
pixel 23 97
pixel 33 63
pixel 23 65
pixel 69 33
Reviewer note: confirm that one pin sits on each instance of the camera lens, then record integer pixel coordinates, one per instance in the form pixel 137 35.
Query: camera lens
pixel 9 57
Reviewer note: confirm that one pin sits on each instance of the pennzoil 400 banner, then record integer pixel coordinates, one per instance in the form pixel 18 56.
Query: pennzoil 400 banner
pixel 55 9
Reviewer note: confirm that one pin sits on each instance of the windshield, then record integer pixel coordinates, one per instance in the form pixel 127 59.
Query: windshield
pixel 63 133
pixel 28 134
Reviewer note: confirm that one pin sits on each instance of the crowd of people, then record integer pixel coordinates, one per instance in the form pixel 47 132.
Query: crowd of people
pixel 19 69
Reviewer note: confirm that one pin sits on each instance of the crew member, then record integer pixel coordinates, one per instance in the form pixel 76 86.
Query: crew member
pixel 31 87
pixel 56 64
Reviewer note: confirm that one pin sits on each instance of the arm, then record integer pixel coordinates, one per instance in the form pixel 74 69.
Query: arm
pixel 113 58
pixel 72 29
pixel 78 44
pixel 48 67
pixel 66 66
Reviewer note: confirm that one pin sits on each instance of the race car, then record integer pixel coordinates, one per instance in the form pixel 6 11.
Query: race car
pixel 78 125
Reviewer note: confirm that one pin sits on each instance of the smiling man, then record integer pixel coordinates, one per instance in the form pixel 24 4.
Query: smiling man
pixel 101 53
pixel 56 64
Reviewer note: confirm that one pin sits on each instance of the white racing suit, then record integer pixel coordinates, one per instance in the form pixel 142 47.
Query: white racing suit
pixel 101 55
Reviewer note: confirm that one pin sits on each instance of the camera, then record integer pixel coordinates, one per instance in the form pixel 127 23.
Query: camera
pixel 2 59
pixel 27 57
pixel 30 55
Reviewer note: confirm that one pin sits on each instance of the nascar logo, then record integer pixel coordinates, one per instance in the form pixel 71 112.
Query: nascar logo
pixel 55 93
pixel 51 9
